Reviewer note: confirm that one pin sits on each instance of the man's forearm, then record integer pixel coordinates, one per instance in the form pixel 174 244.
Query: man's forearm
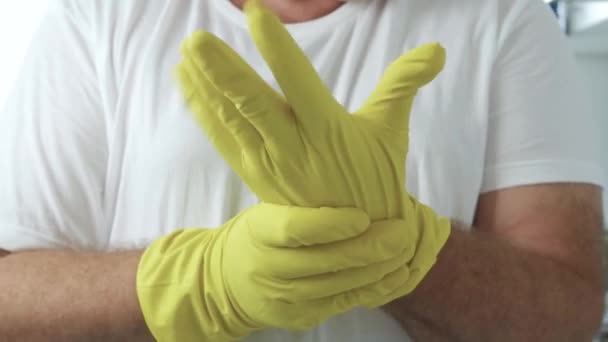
pixel 56 296
pixel 484 289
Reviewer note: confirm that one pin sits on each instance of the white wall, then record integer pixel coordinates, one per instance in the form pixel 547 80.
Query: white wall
pixel 592 55
pixel 594 70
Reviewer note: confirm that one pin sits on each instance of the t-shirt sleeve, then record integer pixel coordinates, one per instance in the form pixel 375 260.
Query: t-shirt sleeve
pixel 540 126
pixel 53 140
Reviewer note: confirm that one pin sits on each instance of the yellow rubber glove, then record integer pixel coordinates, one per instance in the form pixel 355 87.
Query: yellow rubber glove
pixel 270 266
pixel 304 148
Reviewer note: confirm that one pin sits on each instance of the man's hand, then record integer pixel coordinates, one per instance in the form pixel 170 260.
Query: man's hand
pixel 270 267
pixel 304 149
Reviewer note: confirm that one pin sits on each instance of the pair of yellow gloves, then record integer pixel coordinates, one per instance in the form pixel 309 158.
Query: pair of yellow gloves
pixel 336 229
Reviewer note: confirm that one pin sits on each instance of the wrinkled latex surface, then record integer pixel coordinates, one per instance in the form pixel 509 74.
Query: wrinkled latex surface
pixel 270 266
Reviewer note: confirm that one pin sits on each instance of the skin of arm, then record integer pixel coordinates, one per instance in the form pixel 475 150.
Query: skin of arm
pixel 529 271
pixel 61 296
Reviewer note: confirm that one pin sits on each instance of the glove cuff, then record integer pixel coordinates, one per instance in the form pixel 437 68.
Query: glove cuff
pixel 433 233
pixel 176 300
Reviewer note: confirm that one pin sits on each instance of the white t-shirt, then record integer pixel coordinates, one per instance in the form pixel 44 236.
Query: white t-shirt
pixel 99 152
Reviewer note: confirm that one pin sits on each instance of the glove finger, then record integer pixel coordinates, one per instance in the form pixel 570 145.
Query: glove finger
pixel 287 226
pixel 310 99
pixel 314 312
pixel 334 283
pixel 391 101
pixel 393 286
pixel 256 101
pixel 217 133
pixel 381 242
pixel 430 242
pixel 213 104
pixel 418 271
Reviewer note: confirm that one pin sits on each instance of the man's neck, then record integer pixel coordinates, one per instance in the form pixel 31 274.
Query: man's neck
pixel 296 11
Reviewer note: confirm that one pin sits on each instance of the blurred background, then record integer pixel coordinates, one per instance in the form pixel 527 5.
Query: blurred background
pixel 585 23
